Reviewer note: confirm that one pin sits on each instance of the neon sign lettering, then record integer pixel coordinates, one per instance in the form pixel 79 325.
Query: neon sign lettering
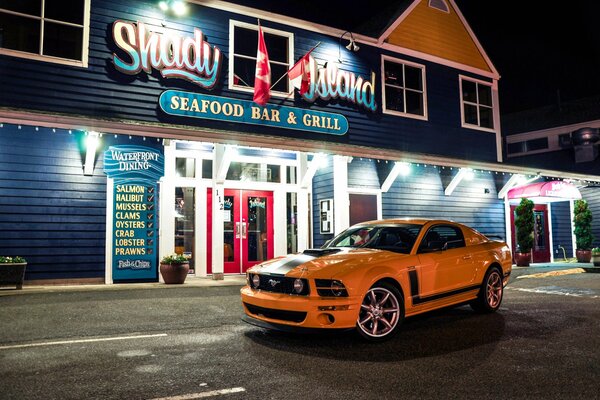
pixel 332 83
pixel 189 58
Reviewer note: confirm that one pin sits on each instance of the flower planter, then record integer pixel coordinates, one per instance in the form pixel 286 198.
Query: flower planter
pixel 596 260
pixel 12 274
pixel 522 259
pixel 174 273
pixel 583 256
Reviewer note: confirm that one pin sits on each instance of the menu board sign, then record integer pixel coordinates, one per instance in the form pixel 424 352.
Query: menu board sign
pixel 135 171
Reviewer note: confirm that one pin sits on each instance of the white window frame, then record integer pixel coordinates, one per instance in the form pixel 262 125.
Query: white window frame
pixel 57 60
pixel 423 117
pixel 462 78
pixel 290 36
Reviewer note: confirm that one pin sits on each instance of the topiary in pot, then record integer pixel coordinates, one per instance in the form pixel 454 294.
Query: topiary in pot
pixel 524 227
pixel 582 220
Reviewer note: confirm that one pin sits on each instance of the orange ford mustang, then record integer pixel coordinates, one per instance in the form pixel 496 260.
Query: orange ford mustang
pixel 376 273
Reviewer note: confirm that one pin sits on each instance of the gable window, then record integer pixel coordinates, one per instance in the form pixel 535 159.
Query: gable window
pixel 47 30
pixel 440 5
pixel 404 88
pixel 242 57
pixel 477 108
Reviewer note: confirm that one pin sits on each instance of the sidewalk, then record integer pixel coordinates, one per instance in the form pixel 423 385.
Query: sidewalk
pixel 190 282
pixel 535 268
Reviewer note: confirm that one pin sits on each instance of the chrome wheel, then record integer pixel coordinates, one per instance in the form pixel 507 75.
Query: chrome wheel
pixel 493 290
pixel 379 313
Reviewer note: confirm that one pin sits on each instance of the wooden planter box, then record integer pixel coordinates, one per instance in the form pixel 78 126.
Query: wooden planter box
pixel 12 274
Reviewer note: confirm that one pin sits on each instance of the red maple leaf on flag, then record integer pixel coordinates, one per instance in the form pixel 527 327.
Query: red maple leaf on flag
pixel 262 79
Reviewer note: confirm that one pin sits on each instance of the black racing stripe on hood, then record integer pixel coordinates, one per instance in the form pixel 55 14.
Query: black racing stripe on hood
pixel 285 265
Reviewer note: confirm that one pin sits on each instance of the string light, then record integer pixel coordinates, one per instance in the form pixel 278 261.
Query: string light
pixel 37 129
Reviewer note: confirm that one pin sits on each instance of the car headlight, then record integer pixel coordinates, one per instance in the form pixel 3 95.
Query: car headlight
pixel 255 281
pixel 331 288
pixel 298 285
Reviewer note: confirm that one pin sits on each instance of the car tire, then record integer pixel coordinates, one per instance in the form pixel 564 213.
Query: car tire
pixel 381 312
pixel 490 295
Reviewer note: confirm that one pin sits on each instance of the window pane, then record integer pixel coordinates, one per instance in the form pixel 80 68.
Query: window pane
pixel 470 114
pixel 469 91
pixel 277 71
pixel 413 78
pixel 63 41
pixel 65 10
pixel 393 73
pixel 277 47
pixel 485 95
pixel 185 167
pixel 207 169
pixel 516 147
pixel 253 172
pixel 19 33
pixel 414 103
pixel 31 7
pixel 486 118
pixel 185 214
pixel 245 41
pixel 394 99
pixel 291 174
pixel 292 222
pixel 244 70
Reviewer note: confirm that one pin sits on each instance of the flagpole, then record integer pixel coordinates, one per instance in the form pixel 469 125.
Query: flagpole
pixel 286 72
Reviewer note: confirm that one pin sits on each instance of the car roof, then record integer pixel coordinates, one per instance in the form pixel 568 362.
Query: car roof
pixel 415 221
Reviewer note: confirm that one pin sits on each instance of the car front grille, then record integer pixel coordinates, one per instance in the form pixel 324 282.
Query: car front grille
pixel 282 315
pixel 281 284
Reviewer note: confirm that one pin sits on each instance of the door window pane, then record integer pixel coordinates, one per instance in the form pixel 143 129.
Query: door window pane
pixel 229 229
pixel 185 216
pixel 257 228
pixel 539 230
pixel 292 222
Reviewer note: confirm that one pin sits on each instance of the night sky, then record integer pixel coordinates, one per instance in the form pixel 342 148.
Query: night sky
pixel 543 50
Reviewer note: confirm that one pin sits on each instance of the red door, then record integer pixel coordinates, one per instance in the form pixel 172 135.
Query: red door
pixel 541 236
pixel 247 229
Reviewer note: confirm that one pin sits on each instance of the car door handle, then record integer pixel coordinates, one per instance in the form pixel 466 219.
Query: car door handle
pixel 467 257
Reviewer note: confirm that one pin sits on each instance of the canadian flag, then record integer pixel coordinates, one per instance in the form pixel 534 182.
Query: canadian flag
pixel 299 74
pixel 262 79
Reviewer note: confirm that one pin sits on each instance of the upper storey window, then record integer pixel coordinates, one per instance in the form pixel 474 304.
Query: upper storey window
pixel 404 88
pixel 440 5
pixel 477 107
pixel 48 30
pixel 242 58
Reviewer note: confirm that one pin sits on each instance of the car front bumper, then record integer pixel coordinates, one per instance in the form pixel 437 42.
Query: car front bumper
pixel 283 311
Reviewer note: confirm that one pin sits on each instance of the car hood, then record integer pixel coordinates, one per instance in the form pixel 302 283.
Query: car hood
pixel 323 262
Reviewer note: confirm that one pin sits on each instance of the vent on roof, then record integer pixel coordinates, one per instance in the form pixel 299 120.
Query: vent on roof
pixel 440 5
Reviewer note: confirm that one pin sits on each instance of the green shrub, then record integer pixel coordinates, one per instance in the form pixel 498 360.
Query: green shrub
pixel 582 219
pixel 524 225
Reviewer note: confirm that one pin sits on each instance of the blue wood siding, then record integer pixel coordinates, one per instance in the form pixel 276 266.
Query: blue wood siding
pixel 100 91
pixel 421 194
pixel 362 173
pixel 592 195
pixel 561 230
pixel 322 190
pixel 50 213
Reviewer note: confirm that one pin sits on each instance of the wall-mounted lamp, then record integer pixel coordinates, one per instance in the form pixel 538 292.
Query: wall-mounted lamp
pixel 91 145
pixel 178 7
pixel 351 46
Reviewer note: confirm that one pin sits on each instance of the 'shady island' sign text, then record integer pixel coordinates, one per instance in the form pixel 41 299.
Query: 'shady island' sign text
pixel 193 59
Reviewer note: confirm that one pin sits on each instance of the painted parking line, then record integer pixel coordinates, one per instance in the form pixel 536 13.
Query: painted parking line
pixel 591 294
pixel 553 273
pixel 106 339
pixel 203 395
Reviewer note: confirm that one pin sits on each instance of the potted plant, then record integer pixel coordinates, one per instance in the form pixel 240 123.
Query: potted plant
pixel 12 271
pixel 582 220
pixel 524 227
pixel 596 256
pixel 174 268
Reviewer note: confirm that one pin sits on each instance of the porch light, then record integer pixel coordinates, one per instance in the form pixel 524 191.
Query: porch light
pixel 403 168
pixel 469 174
pixel 163 5
pixel 178 7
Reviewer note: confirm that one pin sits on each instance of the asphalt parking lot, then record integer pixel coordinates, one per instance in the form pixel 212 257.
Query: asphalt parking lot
pixel 189 342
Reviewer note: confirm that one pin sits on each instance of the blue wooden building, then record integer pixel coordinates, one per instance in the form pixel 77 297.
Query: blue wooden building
pixel 128 131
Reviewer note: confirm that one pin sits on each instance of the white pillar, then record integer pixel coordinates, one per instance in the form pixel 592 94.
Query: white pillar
pixel 108 279
pixel 302 203
pixel 508 226
pixel 166 229
pixel 341 199
pixel 218 205
pixel 279 223
pixel 573 238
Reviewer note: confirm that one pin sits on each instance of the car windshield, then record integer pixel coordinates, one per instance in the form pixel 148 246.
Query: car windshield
pixel 398 238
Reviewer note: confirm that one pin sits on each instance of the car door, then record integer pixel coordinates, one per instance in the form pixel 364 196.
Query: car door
pixel 445 262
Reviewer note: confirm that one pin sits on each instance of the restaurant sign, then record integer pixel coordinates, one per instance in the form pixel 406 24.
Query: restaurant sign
pixel 196 105
pixel 135 171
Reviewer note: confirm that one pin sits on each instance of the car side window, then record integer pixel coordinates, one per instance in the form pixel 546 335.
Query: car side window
pixel 397 239
pixel 442 236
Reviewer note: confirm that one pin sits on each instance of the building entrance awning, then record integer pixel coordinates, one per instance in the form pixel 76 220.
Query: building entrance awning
pixel 545 192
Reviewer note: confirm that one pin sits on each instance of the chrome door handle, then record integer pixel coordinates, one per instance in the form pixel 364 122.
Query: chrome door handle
pixel 237 230
pixel 244 229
